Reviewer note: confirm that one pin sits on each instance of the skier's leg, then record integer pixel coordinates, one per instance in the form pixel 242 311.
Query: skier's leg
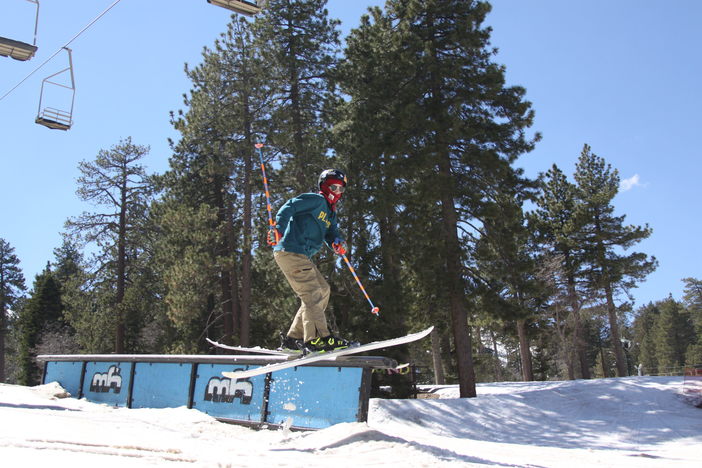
pixel 304 279
pixel 317 313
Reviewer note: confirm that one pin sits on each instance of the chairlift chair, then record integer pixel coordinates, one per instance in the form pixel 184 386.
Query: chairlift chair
pixel 55 118
pixel 248 8
pixel 19 50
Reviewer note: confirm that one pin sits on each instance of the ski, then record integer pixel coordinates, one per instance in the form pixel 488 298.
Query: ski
pixel 327 356
pixel 256 350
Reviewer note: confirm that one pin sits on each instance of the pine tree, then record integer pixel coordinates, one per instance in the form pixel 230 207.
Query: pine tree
pixel 89 324
pixel 448 128
pixel 371 205
pixel 693 303
pixel 68 261
pixel 673 334
pixel 644 351
pixel 507 267
pixel 116 181
pixel 558 226
pixel 188 269
pixel 12 288
pixel 211 181
pixel 43 309
pixel 603 364
pixel 68 268
pixel 604 235
pixel 299 45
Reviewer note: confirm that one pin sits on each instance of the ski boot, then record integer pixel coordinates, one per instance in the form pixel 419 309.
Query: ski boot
pixel 290 344
pixel 327 343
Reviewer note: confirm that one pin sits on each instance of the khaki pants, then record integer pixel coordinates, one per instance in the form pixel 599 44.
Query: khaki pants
pixel 312 289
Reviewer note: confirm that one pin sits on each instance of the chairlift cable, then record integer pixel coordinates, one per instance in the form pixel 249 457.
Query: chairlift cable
pixel 61 48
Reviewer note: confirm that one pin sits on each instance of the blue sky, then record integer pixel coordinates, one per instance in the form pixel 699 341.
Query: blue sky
pixel 620 76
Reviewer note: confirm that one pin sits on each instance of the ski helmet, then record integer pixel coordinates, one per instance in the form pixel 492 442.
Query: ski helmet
pixel 330 177
pixel 331 174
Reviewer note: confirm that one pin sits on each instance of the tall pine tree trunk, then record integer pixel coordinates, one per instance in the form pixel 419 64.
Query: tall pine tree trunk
pixel 227 280
pixel 245 309
pixel 121 265
pixel 225 283
pixel 524 352
pixel 439 378
pixel 565 350
pixel 454 282
pixel 452 248
pixel 578 340
pixel 391 269
pixel 391 273
pixel 230 287
pixel 603 363
pixel 225 251
pixel 496 357
pixel 619 356
pixel 238 326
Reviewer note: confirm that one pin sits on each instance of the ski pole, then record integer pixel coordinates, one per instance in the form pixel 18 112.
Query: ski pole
pixel 374 310
pixel 271 223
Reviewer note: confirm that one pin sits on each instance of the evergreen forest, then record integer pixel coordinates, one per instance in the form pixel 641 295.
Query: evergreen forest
pixel 523 279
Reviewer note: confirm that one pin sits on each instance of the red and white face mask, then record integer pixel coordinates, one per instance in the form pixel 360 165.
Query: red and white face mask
pixel 332 190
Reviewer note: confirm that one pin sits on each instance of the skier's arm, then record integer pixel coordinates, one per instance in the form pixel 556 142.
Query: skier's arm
pixel 282 218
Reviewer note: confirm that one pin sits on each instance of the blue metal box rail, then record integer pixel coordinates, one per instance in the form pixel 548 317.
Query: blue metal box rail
pixel 304 397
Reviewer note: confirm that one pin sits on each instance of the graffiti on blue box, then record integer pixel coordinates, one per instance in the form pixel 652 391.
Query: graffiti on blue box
pixel 225 390
pixel 103 382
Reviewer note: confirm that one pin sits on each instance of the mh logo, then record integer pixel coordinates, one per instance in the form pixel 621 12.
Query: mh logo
pixel 102 383
pixel 223 390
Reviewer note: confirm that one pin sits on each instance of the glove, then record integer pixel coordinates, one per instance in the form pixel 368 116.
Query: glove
pixel 274 237
pixel 338 246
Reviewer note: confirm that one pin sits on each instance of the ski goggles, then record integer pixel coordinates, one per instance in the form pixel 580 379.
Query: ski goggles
pixel 338 188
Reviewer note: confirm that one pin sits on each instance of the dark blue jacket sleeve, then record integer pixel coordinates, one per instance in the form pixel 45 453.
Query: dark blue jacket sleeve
pixel 333 232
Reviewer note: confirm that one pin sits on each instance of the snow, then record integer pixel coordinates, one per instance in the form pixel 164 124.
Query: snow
pixel 630 422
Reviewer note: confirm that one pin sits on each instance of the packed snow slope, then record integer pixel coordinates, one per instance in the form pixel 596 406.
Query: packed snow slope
pixel 631 422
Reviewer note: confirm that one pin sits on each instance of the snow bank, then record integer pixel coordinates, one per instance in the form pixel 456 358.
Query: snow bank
pixel 631 422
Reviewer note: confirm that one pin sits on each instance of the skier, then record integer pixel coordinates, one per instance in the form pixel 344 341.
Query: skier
pixel 303 223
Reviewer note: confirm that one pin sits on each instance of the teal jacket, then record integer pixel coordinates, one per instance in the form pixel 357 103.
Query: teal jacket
pixel 305 222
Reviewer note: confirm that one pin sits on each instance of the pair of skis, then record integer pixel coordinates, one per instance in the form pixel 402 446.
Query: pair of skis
pixel 311 358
